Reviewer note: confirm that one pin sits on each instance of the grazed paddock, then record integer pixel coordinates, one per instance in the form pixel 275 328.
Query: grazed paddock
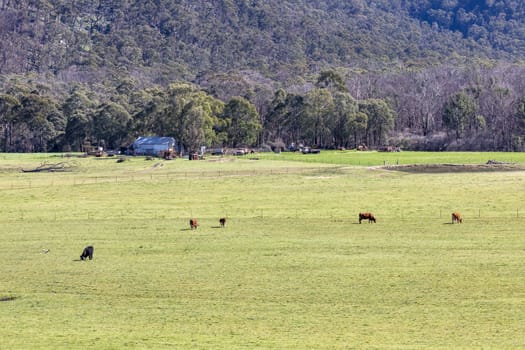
pixel 293 269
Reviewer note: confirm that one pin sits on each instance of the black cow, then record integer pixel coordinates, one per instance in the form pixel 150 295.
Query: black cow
pixel 87 253
pixel 222 221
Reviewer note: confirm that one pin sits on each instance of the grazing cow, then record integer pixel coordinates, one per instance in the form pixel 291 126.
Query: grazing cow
pixel 456 217
pixel 87 253
pixel 367 216
pixel 222 221
pixel 193 224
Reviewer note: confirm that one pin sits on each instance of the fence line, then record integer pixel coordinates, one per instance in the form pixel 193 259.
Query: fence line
pixel 127 214
pixel 71 179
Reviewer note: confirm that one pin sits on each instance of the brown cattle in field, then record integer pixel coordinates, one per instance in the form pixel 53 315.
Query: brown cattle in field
pixel 193 224
pixel 456 217
pixel 222 221
pixel 367 216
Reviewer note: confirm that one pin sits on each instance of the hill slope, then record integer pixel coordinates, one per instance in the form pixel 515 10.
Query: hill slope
pixel 161 41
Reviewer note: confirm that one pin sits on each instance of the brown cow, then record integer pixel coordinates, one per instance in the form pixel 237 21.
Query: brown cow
pixel 456 217
pixel 222 221
pixel 367 216
pixel 193 224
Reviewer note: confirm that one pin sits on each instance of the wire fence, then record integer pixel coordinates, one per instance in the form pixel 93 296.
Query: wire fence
pixel 133 211
pixel 213 214
pixel 50 180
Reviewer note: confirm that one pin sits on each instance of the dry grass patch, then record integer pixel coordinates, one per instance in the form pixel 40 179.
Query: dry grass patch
pixel 454 168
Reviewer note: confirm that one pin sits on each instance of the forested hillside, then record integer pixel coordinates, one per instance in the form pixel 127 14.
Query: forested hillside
pixel 420 74
pixel 74 39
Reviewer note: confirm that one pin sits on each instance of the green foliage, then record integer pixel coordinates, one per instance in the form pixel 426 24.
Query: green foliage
pixel 189 115
pixel 110 125
pixel 380 120
pixel 316 117
pixel 8 105
pixel 458 112
pixel 414 56
pixel 332 81
pixel 348 124
pixel 185 39
pixel 242 120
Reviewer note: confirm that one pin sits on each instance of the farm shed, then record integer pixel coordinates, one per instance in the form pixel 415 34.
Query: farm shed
pixel 153 145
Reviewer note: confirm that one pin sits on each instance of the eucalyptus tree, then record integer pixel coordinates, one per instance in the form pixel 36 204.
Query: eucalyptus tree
pixel 317 117
pixel 348 121
pixel 38 123
pixel 199 118
pixel 146 107
pixel 274 121
pixel 332 81
pixel 242 122
pixel 380 120
pixel 78 109
pixel 190 115
pixel 111 124
pixel 8 106
pixel 292 118
pixel 458 111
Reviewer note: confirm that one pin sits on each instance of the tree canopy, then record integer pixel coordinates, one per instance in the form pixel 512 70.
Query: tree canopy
pixel 419 74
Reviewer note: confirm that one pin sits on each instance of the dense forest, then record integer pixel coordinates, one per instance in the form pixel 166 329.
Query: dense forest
pixel 419 74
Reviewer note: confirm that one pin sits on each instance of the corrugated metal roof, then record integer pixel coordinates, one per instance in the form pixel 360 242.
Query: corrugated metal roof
pixel 153 140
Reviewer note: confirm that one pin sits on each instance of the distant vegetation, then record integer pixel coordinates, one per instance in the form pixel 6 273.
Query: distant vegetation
pixel 423 75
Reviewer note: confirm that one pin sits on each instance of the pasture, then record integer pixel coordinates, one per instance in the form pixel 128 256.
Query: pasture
pixel 292 269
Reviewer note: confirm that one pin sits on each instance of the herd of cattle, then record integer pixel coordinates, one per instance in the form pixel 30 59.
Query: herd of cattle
pixel 88 251
pixel 456 218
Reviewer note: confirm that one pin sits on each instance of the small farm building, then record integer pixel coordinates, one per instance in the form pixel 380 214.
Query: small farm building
pixel 153 145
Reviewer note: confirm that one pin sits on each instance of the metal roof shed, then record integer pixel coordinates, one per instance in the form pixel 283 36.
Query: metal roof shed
pixel 152 145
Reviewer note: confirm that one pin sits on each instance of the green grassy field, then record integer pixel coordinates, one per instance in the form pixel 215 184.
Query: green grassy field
pixel 352 157
pixel 293 269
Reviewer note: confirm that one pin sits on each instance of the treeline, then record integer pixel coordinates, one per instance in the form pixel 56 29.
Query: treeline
pixel 35 117
pixel 441 108
pixel 327 73
pixel 479 107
